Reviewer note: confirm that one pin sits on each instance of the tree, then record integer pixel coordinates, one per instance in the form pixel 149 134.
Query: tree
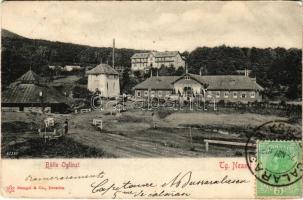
pixel 125 82
pixel 81 92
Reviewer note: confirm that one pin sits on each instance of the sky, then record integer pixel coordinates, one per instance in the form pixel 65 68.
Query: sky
pixel 158 25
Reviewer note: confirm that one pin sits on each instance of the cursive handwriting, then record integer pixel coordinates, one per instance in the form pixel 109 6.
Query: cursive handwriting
pixel 59 178
pixel 149 189
pixel 186 180
pixel 174 187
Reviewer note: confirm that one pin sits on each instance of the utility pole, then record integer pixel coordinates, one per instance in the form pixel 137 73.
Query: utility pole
pixel 113 63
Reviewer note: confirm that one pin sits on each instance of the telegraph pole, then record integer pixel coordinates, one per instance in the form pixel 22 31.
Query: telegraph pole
pixel 113 62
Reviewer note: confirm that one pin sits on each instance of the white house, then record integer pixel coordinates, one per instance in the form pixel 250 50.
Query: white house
pixel 105 79
pixel 70 68
pixel 145 61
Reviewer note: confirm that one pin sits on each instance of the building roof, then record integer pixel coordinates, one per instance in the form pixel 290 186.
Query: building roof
pixel 157 82
pixel 220 82
pixel 31 77
pixel 156 54
pixel 30 93
pixel 229 82
pixel 140 55
pixel 27 90
pixel 166 54
pixel 102 69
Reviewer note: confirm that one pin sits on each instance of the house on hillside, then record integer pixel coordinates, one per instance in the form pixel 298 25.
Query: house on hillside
pixel 229 88
pixel 244 72
pixel 145 61
pixel 105 79
pixel 31 93
pixel 70 68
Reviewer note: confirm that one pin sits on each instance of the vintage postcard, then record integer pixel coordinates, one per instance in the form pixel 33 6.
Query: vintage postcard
pixel 151 99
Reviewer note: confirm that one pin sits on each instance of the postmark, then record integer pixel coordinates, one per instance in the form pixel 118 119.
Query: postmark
pixel 277 161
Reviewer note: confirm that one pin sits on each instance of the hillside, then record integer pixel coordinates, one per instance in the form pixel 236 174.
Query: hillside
pixel 278 70
pixel 11 35
pixel 20 53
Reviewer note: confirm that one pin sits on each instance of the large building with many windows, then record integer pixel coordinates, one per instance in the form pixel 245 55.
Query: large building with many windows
pixel 145 61
pixel 229 88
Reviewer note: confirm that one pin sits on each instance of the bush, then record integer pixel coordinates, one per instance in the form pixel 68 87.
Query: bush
pixel 81 92
pixel 82 81
pixel 164 113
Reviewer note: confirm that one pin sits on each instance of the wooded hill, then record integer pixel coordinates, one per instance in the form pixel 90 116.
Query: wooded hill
pixel 278 70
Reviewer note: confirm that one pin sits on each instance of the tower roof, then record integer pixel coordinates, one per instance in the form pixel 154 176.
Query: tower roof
pixel 102 69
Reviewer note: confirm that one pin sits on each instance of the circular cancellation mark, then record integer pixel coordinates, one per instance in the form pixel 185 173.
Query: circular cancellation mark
pixel 277 158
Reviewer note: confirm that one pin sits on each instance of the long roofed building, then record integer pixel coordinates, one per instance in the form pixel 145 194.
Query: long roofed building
pixel 232 88
pixel 30 93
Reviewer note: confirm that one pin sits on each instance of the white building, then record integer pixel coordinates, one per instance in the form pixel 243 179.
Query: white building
pixel 145 61
pixel 228 88
pixel 105 79
pixel 70 68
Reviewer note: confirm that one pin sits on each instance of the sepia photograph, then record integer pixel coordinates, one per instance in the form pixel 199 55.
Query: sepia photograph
pixel 148 79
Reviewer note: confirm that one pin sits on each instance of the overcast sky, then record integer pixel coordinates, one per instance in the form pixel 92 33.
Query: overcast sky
pixel 158 25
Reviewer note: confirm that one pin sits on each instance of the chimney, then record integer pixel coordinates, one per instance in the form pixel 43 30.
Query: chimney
pixel 186 69
pixel 113 62
pixel 151 73
pixel 200 72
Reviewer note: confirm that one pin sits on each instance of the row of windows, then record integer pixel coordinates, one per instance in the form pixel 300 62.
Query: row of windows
pixel 234 94
pixel 209 94
pixel 152 93
pixel 140 65
pixel 139 59
pixel 165 59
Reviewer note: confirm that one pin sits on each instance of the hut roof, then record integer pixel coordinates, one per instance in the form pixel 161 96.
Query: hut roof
pixel 30 93
pixel 27 89
pixel 30 77
pixel 102 69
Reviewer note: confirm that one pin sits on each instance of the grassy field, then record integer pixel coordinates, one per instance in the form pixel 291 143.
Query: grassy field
pixel 130 135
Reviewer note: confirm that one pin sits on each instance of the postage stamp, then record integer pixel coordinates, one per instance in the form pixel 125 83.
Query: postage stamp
pixel 279 168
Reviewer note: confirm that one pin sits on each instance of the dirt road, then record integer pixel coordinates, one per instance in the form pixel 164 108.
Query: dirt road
pixel 133 135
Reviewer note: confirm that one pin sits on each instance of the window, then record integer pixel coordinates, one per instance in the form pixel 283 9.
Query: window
pixel 209 94
pixel 152 93
pixel 252 95
pixel 146 93
pixel 138 93
pixel 187 78
pixel 160 93
pixel 235 95
pixel 243 95
pixel 218 94
pixel 226 94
